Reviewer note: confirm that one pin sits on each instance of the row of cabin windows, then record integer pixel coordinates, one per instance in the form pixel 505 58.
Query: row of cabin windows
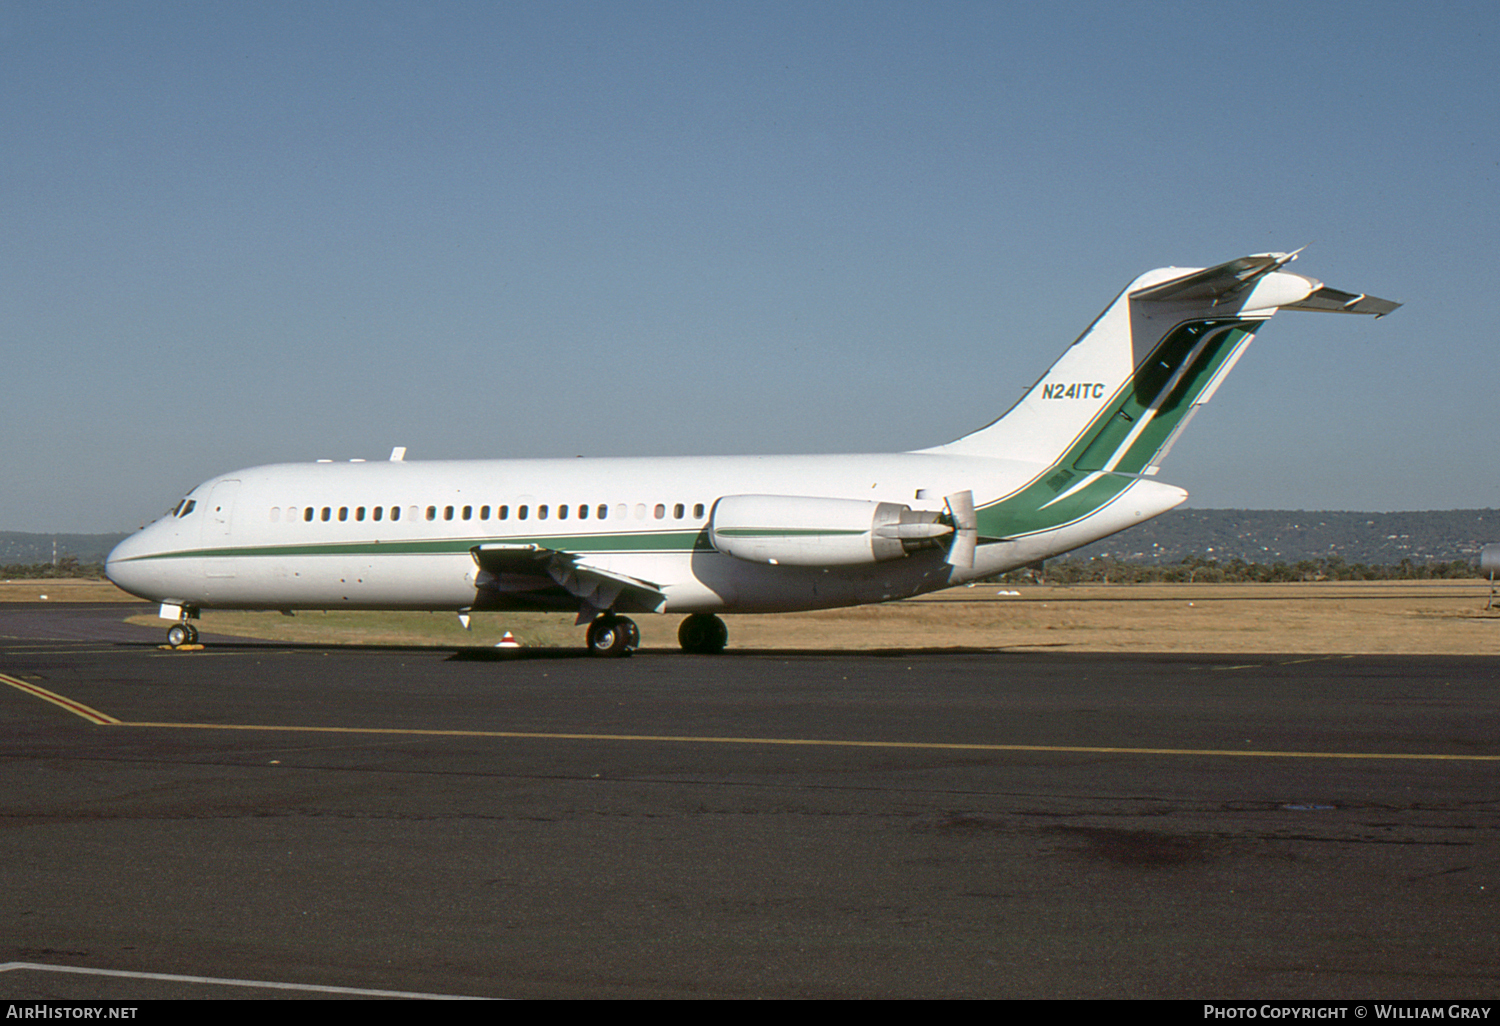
pixel 581 511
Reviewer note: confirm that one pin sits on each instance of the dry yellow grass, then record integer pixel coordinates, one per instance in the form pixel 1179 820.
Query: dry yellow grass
pixel 1316 618
pixel 61 590
pixel 1313 618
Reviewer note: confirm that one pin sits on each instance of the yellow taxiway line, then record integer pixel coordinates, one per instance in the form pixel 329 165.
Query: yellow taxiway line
pixel 103 719
pixel 77 708
pixel 823 742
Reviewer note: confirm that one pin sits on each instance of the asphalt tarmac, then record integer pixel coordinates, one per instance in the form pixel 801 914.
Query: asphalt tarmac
pixel 904 823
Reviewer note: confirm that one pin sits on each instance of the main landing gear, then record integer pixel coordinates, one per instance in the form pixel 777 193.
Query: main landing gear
pixel 611 635
pixel 703 633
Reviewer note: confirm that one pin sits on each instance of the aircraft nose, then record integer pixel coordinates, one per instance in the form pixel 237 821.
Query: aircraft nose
pixel 128 570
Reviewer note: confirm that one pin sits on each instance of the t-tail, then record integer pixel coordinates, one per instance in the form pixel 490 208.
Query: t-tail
pixel 1105 415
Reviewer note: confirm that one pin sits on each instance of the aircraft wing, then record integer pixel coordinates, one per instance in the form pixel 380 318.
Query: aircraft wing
pixel 596 589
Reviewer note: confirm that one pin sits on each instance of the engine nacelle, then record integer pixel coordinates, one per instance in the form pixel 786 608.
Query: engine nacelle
pixel 798 530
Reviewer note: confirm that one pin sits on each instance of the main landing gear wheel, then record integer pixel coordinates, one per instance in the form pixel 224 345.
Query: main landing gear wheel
pixel 611 635
pixel 180 634
pixel 703 633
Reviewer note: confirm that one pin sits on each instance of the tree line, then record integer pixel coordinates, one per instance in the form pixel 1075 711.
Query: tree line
pixel 66 566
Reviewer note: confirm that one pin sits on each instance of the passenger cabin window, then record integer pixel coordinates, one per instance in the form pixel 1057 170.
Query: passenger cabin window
pixel 698 511
pixel 359 514
pixel 327 514
pixel 447 512
pixel 521 513
pixel 377 511
pixel 603 511
pixel 343 513
pixel 504 513
pixel 562 512
pixel 431 512
pixel 468 512
pixel 307 514
pixel 541 512
pixel 395 512
pixel 583 511
pixel 484 512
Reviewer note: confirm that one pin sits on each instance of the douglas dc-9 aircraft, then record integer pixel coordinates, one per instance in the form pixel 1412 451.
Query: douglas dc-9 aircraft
pixel 1072 462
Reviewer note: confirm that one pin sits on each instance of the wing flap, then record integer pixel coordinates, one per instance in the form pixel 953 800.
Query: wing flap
pixel 596 588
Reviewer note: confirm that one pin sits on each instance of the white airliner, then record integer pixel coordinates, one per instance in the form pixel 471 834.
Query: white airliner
pixel 1072 462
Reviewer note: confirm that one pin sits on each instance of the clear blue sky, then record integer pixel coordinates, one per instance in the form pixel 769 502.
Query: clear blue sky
pixel 244 233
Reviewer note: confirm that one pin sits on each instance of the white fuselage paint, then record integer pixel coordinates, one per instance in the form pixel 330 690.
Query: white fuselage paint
pixel 231 553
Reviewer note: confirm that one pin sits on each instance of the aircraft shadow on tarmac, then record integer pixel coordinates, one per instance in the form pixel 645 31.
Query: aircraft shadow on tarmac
pixel 476 653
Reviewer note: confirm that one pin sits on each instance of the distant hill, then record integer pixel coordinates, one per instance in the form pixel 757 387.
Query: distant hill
pixel 1270 536
pixel 17 547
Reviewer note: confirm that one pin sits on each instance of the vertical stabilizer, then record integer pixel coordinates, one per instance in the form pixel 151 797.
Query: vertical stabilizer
pixel 1061 405
pixel 1119 396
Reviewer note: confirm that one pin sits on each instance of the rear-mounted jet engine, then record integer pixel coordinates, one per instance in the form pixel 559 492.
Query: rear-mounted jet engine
pixel 795 530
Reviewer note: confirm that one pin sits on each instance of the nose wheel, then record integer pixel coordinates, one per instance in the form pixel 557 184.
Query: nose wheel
pixel 180 634
pixel 611 635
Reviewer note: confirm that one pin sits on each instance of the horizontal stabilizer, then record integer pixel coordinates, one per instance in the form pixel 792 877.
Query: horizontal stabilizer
pixel 1215 284
pixel 1251 283
pixel 1333 301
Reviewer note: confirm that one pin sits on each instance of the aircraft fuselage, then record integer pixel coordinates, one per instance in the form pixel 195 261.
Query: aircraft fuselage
pixel 399 535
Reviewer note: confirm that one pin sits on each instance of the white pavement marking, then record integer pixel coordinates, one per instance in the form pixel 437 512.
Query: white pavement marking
pixel 265 984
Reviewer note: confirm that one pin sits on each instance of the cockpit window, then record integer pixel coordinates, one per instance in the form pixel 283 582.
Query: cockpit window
pixel 185 507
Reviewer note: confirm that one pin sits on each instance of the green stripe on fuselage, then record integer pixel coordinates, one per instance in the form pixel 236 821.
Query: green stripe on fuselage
pixel 665 541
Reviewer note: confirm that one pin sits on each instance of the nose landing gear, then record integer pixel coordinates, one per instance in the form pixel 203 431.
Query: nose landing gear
pixel 183 632
pixel 180 634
